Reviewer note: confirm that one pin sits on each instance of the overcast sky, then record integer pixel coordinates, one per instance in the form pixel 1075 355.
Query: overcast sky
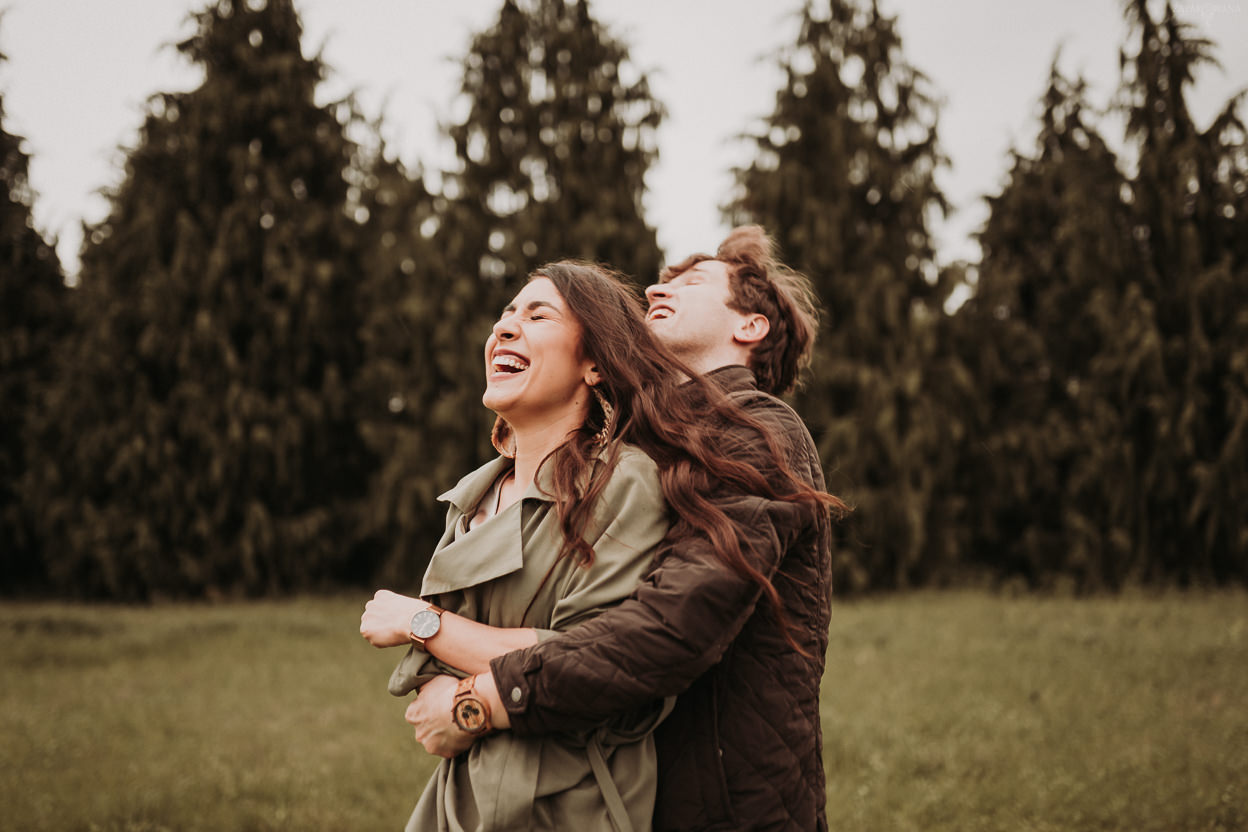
pixel 79 72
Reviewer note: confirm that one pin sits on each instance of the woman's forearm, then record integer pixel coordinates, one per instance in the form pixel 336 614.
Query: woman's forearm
pixel 460 642
pixel 469 645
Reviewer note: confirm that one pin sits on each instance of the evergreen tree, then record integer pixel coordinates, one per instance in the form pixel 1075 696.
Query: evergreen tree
pixel 204 437
pixel 1108 334
pixel 420 386
pixel 843 177
pixel 555 147
pixel 34 318
pixel 1049 338
pixel 1190 195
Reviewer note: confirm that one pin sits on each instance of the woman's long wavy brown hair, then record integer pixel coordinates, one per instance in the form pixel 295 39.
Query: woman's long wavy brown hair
pixel 670 412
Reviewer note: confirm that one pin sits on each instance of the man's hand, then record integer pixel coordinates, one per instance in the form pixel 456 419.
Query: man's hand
pixel 387 618
pixel 430 714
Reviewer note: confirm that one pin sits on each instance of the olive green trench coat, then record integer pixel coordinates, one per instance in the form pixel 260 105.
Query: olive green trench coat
pixel 602 779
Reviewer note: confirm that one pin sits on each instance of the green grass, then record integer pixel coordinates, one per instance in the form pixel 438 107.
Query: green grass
pixel 965 712
pixel 941 712
pixel 234 717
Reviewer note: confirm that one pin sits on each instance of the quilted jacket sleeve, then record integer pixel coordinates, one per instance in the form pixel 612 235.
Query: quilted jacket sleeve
pixel 657 642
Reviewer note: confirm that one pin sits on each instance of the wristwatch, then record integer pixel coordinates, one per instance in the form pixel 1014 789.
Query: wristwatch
pixel 469 712
pixel 425 625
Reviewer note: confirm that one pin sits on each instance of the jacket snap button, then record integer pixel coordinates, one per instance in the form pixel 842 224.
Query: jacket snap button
pixel 516 694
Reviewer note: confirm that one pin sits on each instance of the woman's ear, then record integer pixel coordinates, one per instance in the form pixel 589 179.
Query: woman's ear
pixel 592 376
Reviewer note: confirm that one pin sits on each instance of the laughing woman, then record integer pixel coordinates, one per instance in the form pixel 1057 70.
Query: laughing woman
pixel 563 524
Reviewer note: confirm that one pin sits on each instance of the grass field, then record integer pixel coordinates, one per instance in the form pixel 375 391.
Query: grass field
pixel 955 712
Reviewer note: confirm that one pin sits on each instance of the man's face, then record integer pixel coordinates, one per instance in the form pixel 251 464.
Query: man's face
pixel 690 313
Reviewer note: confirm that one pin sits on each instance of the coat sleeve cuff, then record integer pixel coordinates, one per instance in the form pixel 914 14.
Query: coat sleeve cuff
pixel 514 687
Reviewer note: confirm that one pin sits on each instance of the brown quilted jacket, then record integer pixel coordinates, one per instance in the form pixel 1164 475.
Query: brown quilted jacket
pixel 743 748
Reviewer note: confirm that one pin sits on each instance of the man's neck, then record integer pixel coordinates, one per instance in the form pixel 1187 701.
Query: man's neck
pixel 724 367
pixel 712 360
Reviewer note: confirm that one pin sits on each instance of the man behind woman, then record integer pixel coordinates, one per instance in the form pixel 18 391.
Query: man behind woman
pixel 742 479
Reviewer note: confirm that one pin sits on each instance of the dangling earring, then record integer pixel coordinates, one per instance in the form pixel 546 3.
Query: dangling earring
pixel 502 439
pixel 608 413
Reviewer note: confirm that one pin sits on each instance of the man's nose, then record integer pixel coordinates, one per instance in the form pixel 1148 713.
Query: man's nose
pixel 656 293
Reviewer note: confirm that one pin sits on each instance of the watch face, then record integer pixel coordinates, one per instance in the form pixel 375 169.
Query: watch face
pixel 470 716
pixel 425 624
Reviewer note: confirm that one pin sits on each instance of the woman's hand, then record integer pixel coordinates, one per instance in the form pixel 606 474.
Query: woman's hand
pixel 387 618
pixel 430 714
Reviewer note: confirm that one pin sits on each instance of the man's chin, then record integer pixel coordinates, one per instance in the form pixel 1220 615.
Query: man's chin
pixel 669 329
pixel 660 327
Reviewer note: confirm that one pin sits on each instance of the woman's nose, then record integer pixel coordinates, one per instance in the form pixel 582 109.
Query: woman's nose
pixel 656 292
pixel 504 328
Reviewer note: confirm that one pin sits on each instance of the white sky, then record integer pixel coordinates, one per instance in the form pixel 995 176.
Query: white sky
pixel 79 72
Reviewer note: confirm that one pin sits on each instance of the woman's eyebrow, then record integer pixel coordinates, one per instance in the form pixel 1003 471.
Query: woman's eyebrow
pixel 533 304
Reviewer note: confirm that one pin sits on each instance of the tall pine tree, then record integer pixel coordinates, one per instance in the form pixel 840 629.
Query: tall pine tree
pixel 1190 194
pixel 205 438
pixel 1051 336
pixel 555 148
pixel 843 177
pixel 34 319
pixel 420 387
pixel 1107 335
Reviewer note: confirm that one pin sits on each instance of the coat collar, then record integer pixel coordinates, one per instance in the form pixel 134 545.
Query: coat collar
pixel 496 547
pixel 733 378
pixel 491 550
pixel 467 493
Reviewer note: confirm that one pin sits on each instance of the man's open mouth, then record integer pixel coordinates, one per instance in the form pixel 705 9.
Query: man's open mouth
pixel 659 312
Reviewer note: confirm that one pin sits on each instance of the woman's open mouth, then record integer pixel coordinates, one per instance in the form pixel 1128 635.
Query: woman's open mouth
pixel 509 364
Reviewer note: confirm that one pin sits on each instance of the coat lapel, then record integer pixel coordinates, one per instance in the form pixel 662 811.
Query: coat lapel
pixel 491 550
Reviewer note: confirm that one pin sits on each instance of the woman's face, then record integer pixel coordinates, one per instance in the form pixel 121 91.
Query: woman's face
pixel 534 369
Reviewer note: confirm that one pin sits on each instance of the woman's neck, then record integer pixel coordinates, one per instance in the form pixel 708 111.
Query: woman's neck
pixel 535 441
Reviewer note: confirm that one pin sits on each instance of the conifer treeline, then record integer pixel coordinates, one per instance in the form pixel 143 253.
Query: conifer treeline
pixel 271 367
pixel 1082 420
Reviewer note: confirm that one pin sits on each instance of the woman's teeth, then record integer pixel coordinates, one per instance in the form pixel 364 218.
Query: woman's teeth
pixel 510 364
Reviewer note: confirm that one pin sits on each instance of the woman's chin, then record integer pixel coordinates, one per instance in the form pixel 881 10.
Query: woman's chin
pixel 500 402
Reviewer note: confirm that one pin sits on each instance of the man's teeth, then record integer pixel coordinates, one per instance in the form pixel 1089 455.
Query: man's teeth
pixel 660 313
pixel 510 361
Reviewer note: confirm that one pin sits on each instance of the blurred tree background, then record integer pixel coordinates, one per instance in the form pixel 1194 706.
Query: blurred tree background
pixel 1106 339
pixel 1080 420
pixel 205 438
pixel 271 365
pixel 34 318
